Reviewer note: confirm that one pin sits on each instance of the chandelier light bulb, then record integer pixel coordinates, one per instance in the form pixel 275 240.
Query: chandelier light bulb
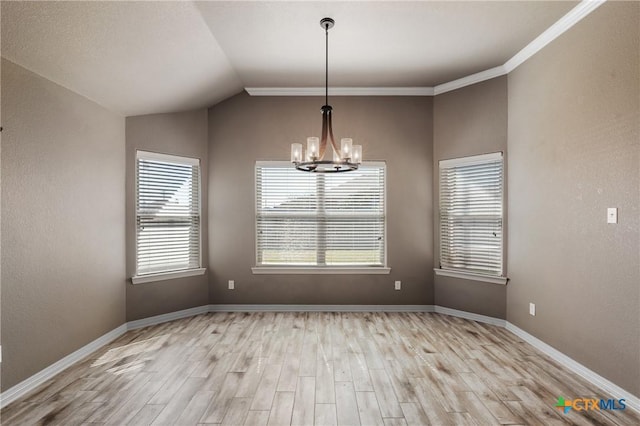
pixel 346 148
pixel 296 152
pixel 313 148
pixel 336 156
pixel 357 154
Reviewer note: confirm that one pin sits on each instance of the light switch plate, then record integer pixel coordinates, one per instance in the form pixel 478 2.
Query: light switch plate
pixel 612 215
pixel 532 309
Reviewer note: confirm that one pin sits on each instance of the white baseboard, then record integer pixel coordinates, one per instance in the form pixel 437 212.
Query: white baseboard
pixel 42 376
pixel 611 388
pixel 37 379
pixel 320 308
pixel 158 319
pixel 470 316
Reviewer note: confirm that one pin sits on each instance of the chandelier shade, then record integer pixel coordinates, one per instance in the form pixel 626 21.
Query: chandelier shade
pixel 345 158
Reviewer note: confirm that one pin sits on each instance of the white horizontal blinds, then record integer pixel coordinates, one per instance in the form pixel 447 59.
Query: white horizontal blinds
pixel 354 212
pixel 309 219
pixel 286 227
pixel 471 191
pixel 167 213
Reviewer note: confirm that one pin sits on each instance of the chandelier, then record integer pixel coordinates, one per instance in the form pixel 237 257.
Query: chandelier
pixel 345 159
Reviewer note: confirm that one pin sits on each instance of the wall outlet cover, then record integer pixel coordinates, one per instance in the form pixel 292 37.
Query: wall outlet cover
pixel 532 309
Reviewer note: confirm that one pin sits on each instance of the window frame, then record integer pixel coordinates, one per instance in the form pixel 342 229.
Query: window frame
pixel 461 273
pixel 169 274
pixel 318 269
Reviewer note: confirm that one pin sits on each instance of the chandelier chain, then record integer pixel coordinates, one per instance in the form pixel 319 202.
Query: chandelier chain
pixel 326 64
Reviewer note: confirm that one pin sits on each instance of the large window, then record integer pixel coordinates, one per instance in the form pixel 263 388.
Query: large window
pixel 471 190
pixel 167 213
pixel 320 220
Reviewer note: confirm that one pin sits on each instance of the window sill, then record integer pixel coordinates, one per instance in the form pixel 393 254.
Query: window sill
pixel 140 279
pixel 310 270
pixel 471 276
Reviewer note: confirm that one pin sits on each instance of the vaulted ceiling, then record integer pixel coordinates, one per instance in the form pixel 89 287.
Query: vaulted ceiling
pixel 147 57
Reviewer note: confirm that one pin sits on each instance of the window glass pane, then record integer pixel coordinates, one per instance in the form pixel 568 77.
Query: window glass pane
pixel 308 219
pixel 287 240
pixel 355 241
pixel 471 215
pixel 167 214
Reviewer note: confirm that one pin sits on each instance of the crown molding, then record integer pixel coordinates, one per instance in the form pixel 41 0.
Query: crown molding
pixel 340 91
pixel 575 15
pixel 470 79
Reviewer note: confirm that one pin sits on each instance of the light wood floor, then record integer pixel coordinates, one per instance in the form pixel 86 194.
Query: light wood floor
pixel 313 368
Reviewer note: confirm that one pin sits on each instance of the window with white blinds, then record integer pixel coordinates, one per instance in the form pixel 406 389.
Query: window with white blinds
pixel 167 213
pixel 471 191
pixel 315 219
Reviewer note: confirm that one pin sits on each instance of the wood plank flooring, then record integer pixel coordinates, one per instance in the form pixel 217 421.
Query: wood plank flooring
pixel 314 368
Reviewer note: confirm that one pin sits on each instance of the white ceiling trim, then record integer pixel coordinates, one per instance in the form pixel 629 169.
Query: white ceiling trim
pixel 470 79
pixel 575 15
pixel 340 91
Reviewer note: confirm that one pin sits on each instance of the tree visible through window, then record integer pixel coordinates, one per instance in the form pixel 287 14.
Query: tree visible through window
pixel 167 213
pixel 314 219
pixel 471 191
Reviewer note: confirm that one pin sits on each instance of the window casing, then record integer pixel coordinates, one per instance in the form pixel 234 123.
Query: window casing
pixel 471 214
pixel 320 220
pixel 168 224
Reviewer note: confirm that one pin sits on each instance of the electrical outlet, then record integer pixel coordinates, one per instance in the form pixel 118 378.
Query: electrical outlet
pixel 532 309
pixel 612 215
pixel 398 285
pixel 232 285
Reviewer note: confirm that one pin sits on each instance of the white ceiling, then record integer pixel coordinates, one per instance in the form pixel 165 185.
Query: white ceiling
pixel 146 57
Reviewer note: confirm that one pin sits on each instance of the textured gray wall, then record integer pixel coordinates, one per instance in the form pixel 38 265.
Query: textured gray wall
pixel 573 131
pixel 0 205
pixel 185 134
pixel 469 121
pixel 63 239
pixel 244 129
pixel 574 118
